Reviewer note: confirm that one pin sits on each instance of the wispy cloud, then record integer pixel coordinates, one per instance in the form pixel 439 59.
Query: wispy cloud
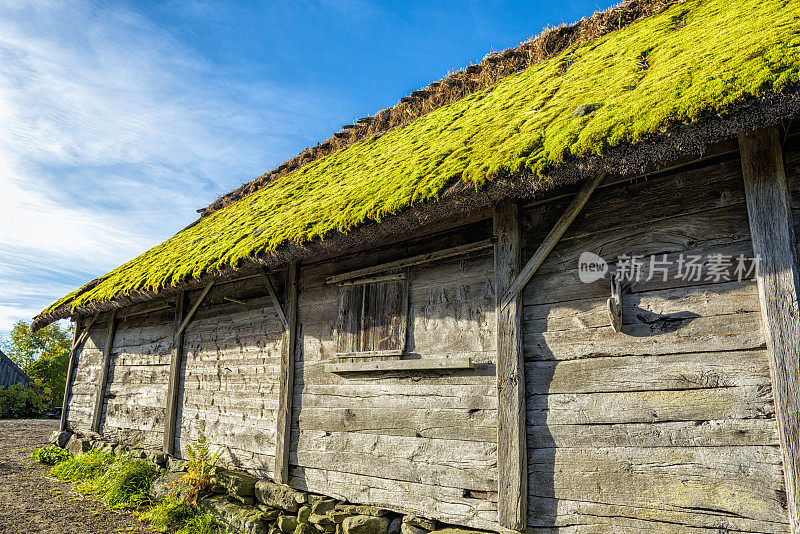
pixel 112 133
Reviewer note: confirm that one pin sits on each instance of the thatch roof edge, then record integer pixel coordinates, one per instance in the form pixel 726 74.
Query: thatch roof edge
pixel 623 160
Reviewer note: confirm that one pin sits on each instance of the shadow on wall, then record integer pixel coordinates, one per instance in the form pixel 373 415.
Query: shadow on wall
pixel 543 500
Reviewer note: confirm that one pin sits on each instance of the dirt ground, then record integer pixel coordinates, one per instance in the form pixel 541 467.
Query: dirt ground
pixel 32 502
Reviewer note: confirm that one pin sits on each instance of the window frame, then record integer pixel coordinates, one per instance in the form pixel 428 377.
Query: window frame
pixel 402 314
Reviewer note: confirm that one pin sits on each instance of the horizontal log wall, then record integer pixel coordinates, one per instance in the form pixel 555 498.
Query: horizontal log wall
pixel 668 425
pixel 86 376
pixel 137 381
pixel 229 378
pixel 422 442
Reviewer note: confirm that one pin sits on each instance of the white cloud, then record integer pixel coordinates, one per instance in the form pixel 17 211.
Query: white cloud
pixel 112 133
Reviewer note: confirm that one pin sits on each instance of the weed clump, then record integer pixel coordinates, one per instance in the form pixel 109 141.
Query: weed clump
pixel 50 455
pixel 123 482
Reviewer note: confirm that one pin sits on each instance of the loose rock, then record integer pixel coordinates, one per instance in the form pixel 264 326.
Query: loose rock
pixel 421 522
pixel 77 445
pixel 322 506
pixel 236 517
pixel 303 514
pixel 278 496
pixel 60 439
pixel 169 484
pixel 175 464
pixel 239 485
pixel 358 509
pixel 287 523
pixel 408 528
pixel 394 526
pixel 365 524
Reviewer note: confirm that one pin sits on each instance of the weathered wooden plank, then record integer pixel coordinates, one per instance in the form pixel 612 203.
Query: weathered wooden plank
pixel 772 229
pixel 406 396
pixel 737 402
pixel 550 241
pixel 708 300
pixel 663 336
pixel 647 372
pixel 103 382
pixel 400 365
pixel 512 449
pixel 173 389
pixel 666 196
pixel 674 237
pixel 461 424
pixel 711 433
pixel 414 260
pixel 286 380
pixel 578 516
pixel 737 481
pixel 442 503
pixel 470 465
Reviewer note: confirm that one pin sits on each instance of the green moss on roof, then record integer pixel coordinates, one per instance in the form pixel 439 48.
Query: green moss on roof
pixel 693 59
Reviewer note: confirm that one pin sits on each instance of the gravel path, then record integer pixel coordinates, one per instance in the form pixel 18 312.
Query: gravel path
pixel 31 501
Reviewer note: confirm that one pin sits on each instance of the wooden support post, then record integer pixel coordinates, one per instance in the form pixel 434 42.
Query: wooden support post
pixel 289 348
pixel 77 340
pixel 70 370
pixel 173 389
pixel 550 241
pixel 105 366
pixel 512 465
pixel 769 211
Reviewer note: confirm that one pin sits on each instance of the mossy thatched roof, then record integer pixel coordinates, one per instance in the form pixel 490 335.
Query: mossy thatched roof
pixel 694 60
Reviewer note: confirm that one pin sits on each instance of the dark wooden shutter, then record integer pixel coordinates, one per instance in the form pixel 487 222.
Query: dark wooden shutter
pixel 372 317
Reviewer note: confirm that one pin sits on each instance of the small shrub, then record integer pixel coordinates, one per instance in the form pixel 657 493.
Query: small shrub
pixel 20 400
pixel 49 455
pixel 167 515
pixel 199 469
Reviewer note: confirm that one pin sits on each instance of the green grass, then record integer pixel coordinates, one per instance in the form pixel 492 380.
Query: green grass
pixel 167 515
pixel 83 467
pixel 120 480
pixel 696 59
pixel 122 483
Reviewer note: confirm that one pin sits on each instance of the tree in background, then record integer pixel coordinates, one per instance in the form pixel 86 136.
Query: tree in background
pixel 44 356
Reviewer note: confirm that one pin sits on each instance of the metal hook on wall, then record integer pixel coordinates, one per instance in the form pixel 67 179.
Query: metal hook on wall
pixel 614 304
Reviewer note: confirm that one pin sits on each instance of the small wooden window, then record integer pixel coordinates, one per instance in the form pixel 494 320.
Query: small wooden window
pixel 372 316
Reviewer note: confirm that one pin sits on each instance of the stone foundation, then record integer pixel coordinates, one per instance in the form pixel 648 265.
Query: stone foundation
pixel 244 503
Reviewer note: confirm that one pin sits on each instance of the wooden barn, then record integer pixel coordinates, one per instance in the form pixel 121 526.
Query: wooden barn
pixel 10 373
pixel 554 291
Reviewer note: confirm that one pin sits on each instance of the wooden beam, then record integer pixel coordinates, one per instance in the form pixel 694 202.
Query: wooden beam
pixel 274 296
pixel 512 464
pixel 193 309
pixel 552 238
pixel 286 384
pixel 78 338
pixel 414 260
pixel 105 366
pixel 419 364
pixel 770 215
pixel 372 279
pixel 174 376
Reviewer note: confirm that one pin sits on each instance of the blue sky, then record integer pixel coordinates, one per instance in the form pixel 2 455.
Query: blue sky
pixel 119 119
